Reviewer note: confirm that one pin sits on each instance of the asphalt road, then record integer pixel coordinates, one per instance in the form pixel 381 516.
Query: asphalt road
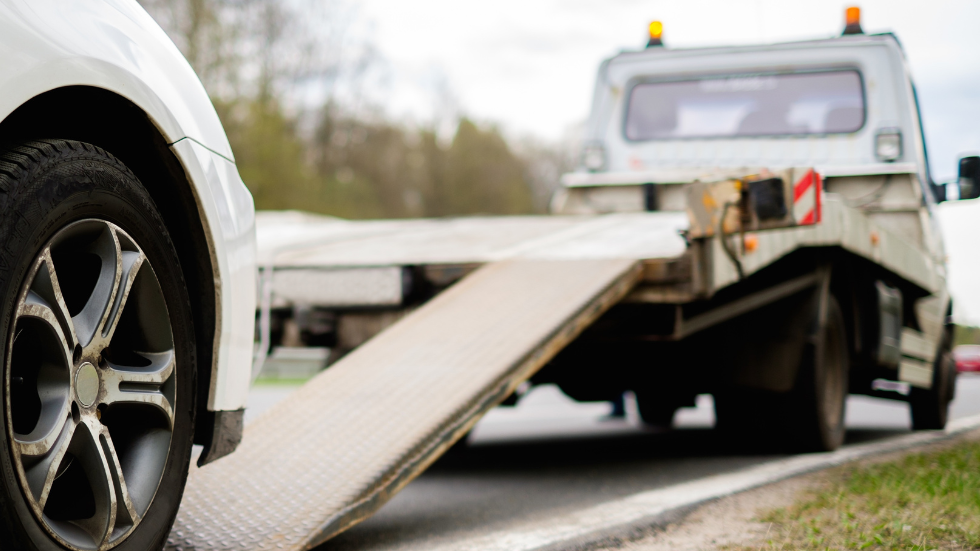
pixel 549 454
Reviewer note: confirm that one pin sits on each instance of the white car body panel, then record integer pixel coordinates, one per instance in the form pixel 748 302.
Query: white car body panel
pixel 115 45
pixel 230 205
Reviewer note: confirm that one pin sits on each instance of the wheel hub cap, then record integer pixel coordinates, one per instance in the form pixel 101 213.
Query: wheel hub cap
pixel 87 384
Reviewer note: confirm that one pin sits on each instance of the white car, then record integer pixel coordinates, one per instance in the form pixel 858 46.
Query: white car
pixel 127 277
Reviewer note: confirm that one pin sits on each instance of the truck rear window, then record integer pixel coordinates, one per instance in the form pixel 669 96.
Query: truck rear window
pixel 788 104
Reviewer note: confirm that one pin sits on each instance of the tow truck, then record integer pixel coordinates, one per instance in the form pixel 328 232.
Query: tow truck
pixel 754 222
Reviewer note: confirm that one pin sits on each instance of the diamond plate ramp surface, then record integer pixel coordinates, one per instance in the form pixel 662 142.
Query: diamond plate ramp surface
pixel 353 436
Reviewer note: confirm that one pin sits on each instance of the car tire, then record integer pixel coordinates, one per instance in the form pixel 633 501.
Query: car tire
pixel 930 407
pixel 96 318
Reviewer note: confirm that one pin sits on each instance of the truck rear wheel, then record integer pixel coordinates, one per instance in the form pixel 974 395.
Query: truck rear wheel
pixel 810 416
pixel 655 410
pixel 817 404
pixel 930 407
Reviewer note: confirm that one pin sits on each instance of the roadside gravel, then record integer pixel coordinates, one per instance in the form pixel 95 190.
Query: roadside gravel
pixel 729 521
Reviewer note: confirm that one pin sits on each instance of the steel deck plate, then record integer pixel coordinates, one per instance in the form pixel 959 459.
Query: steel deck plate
pixel 357 433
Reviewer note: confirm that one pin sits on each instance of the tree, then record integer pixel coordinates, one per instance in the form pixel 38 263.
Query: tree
pixel 256 56
pixel 482 175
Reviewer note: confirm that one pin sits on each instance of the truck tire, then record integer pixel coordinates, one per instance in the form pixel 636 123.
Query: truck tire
pixel 816 406
pixel 655 411
pixel 98 375
pixel 930 407
pixel 809 417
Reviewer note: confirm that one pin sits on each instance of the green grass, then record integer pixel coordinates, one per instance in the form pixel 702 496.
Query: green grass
pixel 921 502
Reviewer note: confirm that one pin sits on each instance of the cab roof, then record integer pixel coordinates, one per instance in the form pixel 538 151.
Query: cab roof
pixel 887 38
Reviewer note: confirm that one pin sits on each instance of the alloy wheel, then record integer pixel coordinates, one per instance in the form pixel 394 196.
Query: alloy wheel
pixel 90 385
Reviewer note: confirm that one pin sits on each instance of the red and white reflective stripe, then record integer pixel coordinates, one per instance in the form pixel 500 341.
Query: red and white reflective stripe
pixel 806 199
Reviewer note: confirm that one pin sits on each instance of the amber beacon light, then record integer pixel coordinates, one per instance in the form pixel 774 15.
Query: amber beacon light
pixel 656 31
pixel 852 20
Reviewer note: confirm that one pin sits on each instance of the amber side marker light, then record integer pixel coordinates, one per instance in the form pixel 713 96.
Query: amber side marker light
pixel 852 21
pixel 656 32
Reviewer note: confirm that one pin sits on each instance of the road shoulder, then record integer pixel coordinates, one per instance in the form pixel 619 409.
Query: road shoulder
pixel 733 522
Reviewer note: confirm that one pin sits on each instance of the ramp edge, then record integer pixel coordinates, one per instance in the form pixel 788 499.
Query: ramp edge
pixel 420 458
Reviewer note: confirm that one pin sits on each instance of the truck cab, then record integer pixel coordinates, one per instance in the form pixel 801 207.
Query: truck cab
pixel 845 106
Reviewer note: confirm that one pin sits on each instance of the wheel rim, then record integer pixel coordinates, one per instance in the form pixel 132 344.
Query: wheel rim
pixel 90 389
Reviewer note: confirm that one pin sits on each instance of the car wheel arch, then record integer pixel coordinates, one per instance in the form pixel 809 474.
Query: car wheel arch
pixel 114 123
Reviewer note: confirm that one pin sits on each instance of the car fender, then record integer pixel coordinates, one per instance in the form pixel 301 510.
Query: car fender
pixel 116 46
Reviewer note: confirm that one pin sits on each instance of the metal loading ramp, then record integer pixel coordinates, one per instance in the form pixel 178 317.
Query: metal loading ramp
pixel 353 436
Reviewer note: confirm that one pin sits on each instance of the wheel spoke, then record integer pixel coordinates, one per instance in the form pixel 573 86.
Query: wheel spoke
pixel 36 445
pixel 45 292
pixel 130 264
pixel 54 397
pixel 142 385
pixel 125 511
pixel 41 476
pixel 87 447
pixel 34 306
pixel 96 311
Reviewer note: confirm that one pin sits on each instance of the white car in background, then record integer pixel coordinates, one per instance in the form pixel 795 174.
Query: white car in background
pixel 127 277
